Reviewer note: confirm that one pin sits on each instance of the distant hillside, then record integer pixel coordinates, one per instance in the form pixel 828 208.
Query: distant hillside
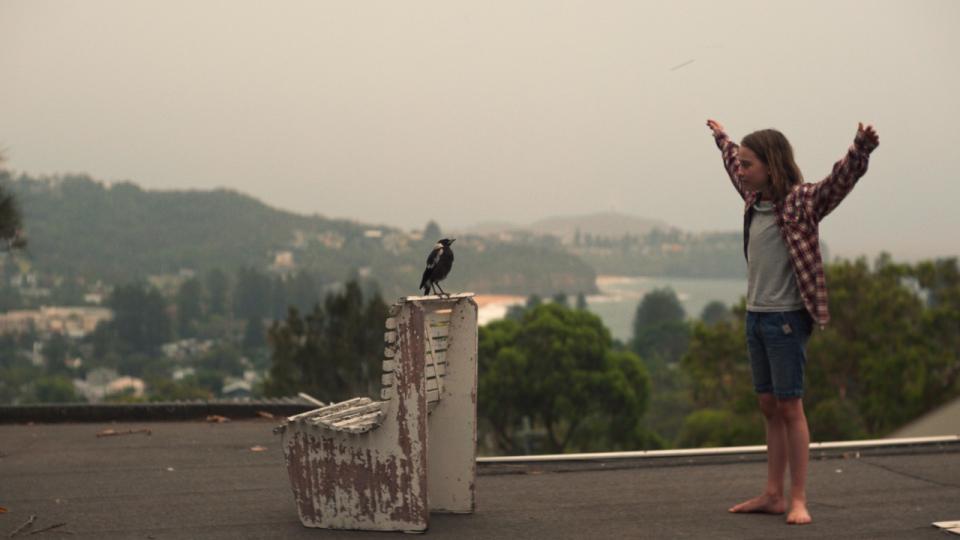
pixel 121 232
pixel 621 244
pixel 566 228
pixel 78 226
pixel 606 224
pixel 488 228
pixel 675 254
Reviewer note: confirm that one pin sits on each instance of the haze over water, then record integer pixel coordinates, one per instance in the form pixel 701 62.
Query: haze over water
pixel 620 295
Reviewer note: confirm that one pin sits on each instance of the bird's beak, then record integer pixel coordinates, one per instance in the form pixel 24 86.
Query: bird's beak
pixel 452 240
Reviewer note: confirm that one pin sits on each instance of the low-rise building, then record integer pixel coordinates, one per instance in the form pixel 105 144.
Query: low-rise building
pixel 102 382
pixel 74 322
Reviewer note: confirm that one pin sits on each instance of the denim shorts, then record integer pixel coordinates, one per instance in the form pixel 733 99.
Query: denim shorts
pixel 777 343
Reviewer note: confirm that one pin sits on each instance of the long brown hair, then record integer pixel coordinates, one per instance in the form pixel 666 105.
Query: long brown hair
pixel 774 150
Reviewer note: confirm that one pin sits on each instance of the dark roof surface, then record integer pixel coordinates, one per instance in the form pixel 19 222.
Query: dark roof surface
pixel 193 479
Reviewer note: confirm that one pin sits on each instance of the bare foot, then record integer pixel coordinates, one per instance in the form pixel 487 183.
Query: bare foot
pixel 766 504
pixel 798 514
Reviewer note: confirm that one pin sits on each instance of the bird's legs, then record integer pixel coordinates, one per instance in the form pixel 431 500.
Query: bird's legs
pixel 442 293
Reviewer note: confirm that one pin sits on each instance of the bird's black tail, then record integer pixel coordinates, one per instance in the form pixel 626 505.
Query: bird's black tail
pixel 424 283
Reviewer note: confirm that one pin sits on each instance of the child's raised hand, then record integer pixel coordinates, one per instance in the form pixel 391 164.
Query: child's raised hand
pixel 868 133
pixel 715 127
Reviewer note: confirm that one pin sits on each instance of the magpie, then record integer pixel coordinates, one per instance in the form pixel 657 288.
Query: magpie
pixel 439 263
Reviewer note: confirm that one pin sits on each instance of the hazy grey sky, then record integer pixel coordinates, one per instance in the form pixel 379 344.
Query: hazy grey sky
pixel 396 112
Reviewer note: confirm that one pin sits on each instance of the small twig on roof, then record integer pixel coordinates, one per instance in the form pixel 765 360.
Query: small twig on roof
pixel 51 527
pixel 311 399
pixel 113 433
pixel 33 517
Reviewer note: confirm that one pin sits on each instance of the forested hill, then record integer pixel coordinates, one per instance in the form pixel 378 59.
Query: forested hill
pixel 77 226
pixel 120 232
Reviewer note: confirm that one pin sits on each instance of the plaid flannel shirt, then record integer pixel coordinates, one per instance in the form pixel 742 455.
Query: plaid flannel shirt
pixel 799 215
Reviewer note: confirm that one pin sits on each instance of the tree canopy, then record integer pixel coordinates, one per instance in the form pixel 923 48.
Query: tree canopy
pixel 890 353
pixel 333 352
pixel 11 219
pixel 552 381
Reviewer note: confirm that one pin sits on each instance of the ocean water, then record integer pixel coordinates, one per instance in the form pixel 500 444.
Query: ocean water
pixel 619 297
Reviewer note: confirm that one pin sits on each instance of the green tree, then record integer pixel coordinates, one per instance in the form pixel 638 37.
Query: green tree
pixel 278 298
pixel 303 291
pixel 835 419
pixel 557 368
pixel 659 327
pixel 217 287
pixel 721 388
pixel 10 299
pixel 54 389
pixel 210 380
pixel 68 292
pixel 55 352
pixel 720 427
pixel 719 368
pixel 353 334
pixel 254 334
pixel 667 340
pixel 661 338
pixel 504 387
pixel 189 307
pixel 432 232
pixel 17 372
pixel 136 364
pixel 670 401
pixel 940 279
pixel 657 307
pixel 334 352
pixel 293 343
pixel 140 319
pixel 224 359
pixel 252 298
pixel 11 219
pixel 886 348
pixel 186 389
pixel 127 395
pixel 714 312
pixel 890 353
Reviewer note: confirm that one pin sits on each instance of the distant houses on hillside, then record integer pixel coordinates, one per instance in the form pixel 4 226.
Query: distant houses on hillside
pixel 74 322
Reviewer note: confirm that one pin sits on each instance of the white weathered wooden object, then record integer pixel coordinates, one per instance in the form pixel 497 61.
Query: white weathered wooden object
pixel 385 465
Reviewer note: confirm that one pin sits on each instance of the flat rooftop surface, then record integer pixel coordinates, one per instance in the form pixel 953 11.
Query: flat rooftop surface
pixel 193 479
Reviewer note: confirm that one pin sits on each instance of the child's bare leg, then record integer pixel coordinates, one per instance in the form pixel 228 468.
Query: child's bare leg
pixel 771 501
pixel 798 454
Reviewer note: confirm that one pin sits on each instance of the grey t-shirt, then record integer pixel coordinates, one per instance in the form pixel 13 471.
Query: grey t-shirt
pixel 771 283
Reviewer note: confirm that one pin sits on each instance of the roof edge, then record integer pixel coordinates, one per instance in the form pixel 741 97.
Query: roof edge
pixel 156 411
pixel 720 451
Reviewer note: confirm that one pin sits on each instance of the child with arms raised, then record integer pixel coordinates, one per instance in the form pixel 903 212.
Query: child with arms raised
pixel 786 290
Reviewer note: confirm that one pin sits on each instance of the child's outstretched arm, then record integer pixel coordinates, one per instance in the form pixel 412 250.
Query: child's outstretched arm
pixel 730 152
pixel 828 193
